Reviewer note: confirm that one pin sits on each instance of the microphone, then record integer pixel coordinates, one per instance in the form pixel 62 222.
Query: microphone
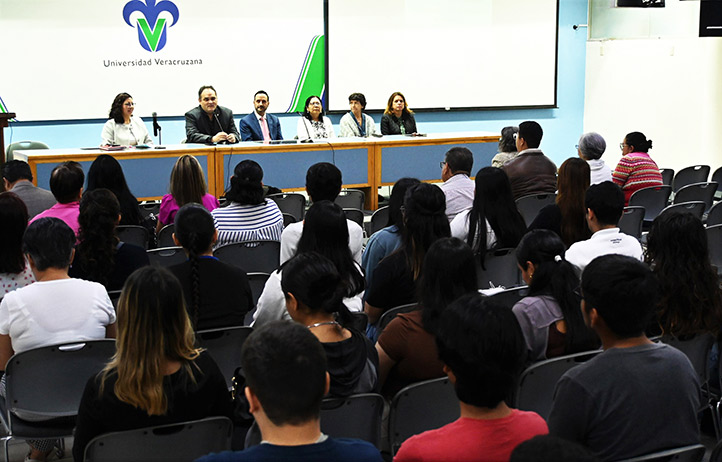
pixel 221 126
pixel 156 127
pixel 308 140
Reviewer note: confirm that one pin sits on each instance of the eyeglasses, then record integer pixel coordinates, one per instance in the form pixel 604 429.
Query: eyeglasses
pixel 621 146
pixel 576 146
pixel 129 104
pixel 578 293
pixel 441 164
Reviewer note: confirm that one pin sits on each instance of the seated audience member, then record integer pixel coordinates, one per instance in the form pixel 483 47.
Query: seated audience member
pixel 507 147
pixel 457 186
pixel 385 241
pixel 258 125
pixel 546 448
pixel 100 256
pixel 157 376
pixel 394 282
pixel 187 184
pixel 15 270
pixel 566 216
pixel 66 184
pixel 323 183
pixel 248 217
pixel 356 122
pixel 590 148
pixel 325 231
pixel 217 295
pixel 286 379
pixel 549 316
pixel 18 178
pixel 313 124
pixel 122 128
pixel 210 123
pixel 56 309
pixel 530 172
pixel 398 119
pixel 605 206
pixel 483 351
pixel 592 401
pixel 493 215
pixel 691 299
pixel 406 347
pixel 636 170
pixel 314 292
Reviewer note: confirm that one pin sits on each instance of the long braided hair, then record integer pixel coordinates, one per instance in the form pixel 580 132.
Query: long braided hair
pixel 194 230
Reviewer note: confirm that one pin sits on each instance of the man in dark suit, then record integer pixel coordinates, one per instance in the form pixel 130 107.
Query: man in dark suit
pixel 252 126
pixel 209 122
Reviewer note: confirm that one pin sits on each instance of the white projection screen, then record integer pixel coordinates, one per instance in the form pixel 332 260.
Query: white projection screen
pixel 63 60
pixel 443 54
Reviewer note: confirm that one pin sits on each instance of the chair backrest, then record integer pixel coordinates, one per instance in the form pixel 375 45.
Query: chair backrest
pixel 379 219
pixel 166 256
pixel 667 176
pixel 714 242
pixel 356 416
pixel 251 256
pixel 257 281
pixel 420 407
pixel 390 314
pixel 535 391
pixel 695 208
pixel 114 296
pixel 49 381
pixel 291 203
pixel 149 208
pixel 697 192
pixel 714 216
pixel 133 234
pixel 717 177
pixel 509 297
pixel 689 175
pixel 224 345
pixel 631 221
pixel 697 349
pixel 355 215
pixel 165 236
pixel 181 442
pixel 716 455
pixel 529 206
pixel 653 199
pixel 288 219
pixel 693 453
pixel 501 269
pixel 351 199
pixel 23 145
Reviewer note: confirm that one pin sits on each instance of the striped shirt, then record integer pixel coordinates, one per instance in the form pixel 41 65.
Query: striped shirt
pixel 635 171
pixel 236 222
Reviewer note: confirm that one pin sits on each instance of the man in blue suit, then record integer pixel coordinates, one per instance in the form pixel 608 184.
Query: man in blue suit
pixel 259 126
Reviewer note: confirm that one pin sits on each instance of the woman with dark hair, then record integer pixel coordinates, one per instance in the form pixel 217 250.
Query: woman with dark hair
pixel 691 299
pixel 248 217
pixel 14 269
pixel 313 124
pixel 217 294
pixel 507 146
pixel 590 148
pixel 636 170
pixel 398 119
pixel 568 216
pixel 356 122
pixel 324 231
pixel 99 255
pixel 314 291
pixel 394 281
pixel 385 241
pixel 492 215
pixel 187 184
pixel 406 347
pixel 157 376
pixel 123 129
pixel 549 316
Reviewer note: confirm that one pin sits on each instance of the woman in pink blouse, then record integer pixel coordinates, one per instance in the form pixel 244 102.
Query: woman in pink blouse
pixel 187 184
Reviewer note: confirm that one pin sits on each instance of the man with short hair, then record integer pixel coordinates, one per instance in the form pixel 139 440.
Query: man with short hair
pixel 210 123
pixel 636 397
pixel 259 126
pixel 605 206
pixel 285 369
pixel 458 187
pixel 483 351
pixel 18 178
pixel 323 183
pixel 66 184
pixel 530 172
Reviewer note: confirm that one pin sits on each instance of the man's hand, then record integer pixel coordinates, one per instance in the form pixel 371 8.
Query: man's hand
pixel 220 136
pixel 231 138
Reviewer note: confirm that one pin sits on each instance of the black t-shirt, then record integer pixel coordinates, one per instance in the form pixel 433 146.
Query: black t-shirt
pixel 352 364
pixel 393 283
pixel 128 258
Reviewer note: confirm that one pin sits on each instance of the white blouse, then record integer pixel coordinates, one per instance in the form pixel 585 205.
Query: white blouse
pixel 131 134
pixel 314 130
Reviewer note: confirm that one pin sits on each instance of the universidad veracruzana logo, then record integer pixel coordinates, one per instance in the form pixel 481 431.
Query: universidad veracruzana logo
pixel 152 33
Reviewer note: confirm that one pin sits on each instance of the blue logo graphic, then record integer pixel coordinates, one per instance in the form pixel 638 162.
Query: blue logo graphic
pixel 151 29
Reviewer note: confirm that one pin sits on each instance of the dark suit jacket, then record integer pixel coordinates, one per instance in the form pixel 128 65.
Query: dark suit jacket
pixel 251 128
pixel 201 129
